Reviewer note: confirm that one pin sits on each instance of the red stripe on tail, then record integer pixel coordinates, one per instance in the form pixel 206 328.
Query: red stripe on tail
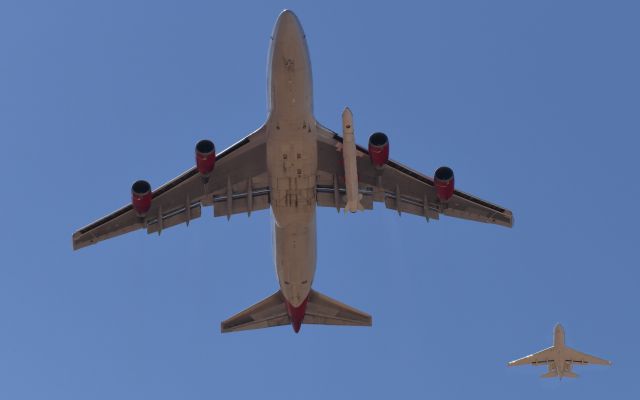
pixel 297 314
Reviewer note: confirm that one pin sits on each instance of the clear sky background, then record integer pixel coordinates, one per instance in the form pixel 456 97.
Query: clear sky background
pixel 533 104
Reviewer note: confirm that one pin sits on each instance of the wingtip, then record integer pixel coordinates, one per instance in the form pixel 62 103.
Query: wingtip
pixel 77 244
pixel 512 220
pixel 74 243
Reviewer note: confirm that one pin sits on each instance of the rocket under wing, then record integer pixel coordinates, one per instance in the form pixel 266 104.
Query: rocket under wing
pixel 350 164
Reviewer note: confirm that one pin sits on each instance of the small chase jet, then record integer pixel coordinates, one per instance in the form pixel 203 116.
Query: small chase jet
pixel 291 165
pixel 559 358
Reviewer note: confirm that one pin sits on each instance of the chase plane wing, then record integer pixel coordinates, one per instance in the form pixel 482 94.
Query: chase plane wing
pixel 540 358
pixel 576 357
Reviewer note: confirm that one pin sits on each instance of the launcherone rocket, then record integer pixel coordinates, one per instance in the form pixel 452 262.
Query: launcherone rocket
pixel 350 164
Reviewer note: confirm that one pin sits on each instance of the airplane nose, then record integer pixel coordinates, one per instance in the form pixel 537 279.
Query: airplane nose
pixel 287 15
pixel 286 25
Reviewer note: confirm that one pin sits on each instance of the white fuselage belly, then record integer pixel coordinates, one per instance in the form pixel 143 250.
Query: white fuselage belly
pixel 559 360
pixel 292 160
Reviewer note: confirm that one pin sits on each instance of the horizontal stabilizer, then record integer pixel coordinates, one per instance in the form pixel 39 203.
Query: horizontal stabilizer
pixel 273 311
pixel 324 310
pixel 554 374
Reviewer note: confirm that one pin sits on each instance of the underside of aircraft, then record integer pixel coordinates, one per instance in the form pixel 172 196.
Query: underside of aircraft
pixel 291 165
pixel 559 358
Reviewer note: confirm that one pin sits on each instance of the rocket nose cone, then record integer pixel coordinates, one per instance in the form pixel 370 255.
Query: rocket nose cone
pixel 347 118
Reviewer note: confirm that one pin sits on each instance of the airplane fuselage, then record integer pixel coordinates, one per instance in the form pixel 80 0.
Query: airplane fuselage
pixel 561 365
pixel 292 159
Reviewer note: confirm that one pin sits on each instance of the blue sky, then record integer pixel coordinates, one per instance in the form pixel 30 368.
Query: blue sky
pixel 533 104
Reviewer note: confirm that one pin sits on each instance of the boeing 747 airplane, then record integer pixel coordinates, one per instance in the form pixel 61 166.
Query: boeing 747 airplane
pixel 559 358
pixel 292 164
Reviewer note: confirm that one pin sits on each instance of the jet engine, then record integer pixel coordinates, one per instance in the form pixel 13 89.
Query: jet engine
pixel 141 197
pixel 205 156
pixel 444 183
pixel 378 149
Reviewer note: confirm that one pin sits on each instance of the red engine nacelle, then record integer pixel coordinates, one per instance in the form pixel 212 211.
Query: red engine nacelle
pixel 141 196
pixel 205 156
pixel 444 183
pixel 378 149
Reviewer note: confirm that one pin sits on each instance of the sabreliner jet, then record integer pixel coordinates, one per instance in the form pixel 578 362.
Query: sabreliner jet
pixel 292 164
pixel 559 358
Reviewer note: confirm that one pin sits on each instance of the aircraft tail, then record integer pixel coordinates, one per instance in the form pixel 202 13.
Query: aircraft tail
pixel 323 310
pixel 276 311
pixel 554 374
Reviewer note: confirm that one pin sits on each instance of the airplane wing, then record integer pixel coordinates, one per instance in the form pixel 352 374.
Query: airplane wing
pixel 398 186
pixel 576 357
pixel 238 184
pixel 540 358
